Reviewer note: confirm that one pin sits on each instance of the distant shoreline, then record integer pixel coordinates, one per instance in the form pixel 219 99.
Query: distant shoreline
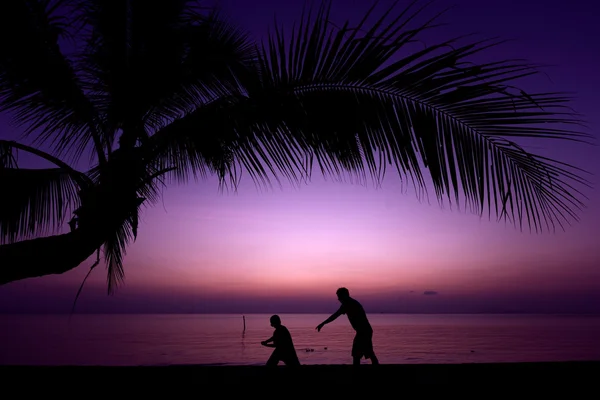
pixel 66 313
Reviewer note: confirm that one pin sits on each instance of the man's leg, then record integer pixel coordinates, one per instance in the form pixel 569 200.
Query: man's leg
pixel 356 350
pixel 369 353
pixel 374 359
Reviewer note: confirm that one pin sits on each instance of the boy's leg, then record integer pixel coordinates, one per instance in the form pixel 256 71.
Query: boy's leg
pixel 291 362
pixel 290 358
pixel 274 359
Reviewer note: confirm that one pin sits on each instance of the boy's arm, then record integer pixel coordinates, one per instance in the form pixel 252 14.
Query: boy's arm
pixel 268 341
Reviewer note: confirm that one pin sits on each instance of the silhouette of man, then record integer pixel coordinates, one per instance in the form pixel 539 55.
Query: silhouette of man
pixel 283 344
pixel 363 340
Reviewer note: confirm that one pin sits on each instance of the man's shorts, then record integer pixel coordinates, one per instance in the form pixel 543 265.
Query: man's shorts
pixel 363 344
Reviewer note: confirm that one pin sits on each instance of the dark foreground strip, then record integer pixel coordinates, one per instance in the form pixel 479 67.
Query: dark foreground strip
pixel 193 381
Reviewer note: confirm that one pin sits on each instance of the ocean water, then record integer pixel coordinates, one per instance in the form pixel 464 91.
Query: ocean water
pixel 219 339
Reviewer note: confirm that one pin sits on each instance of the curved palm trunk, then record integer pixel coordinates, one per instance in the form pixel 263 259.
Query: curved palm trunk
pixel 46 256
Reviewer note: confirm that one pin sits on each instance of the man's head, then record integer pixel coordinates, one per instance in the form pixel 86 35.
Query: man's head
pixel 342 294
pixel 275 321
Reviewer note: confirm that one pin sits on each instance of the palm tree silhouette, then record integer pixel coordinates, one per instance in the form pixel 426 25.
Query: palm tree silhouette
pixel 155 91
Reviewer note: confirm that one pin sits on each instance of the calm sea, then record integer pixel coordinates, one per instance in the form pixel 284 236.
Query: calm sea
pixel 219 339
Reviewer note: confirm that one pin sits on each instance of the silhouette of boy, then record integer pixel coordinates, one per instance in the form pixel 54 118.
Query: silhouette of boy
pixel 283 344
pixel 363 340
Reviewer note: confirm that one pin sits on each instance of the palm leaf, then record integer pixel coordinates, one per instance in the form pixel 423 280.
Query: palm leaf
pixel 362 106
pixel 7 156
pixel 176 57
pixel 122 218
pixel 130 179
pixel 214 55
pixel 199 144
pixel 38 84
pixel 115 247
pixel 36 201
pixel 348 100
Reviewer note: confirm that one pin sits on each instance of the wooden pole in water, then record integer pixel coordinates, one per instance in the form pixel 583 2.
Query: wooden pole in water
pixel 244 319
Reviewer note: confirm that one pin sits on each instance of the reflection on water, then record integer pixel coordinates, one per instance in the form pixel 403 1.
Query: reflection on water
pixel 221 339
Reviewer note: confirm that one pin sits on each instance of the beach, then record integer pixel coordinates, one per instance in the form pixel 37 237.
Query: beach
pixel 343 379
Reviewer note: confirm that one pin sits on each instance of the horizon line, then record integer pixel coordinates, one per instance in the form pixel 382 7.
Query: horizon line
pixel 301 313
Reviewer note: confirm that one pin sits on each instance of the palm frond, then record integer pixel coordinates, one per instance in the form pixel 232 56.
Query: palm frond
pixel 130 179
pixel 35 201
pixel 9 150
pixel 214 55
pixel 220 138
pixel 38 84
pixel 151 62
pixel 115 247
pixel 191 150
pixel 363 106
pixel 351 101
pixel 121 221
pixel 114 252
pixel 7 157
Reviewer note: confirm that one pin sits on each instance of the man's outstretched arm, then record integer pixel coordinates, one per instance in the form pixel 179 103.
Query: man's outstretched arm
pixel 332 318
pixel 266 342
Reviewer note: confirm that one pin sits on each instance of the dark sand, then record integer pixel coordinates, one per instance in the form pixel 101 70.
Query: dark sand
pixel 342 379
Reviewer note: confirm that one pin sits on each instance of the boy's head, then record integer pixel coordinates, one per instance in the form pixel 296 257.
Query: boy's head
pixel 275 321
pixel 342 294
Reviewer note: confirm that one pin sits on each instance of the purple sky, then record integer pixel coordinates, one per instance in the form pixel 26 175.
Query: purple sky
pixel 288 250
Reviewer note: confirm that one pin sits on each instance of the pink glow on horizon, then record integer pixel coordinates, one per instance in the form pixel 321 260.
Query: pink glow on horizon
pixel 307 242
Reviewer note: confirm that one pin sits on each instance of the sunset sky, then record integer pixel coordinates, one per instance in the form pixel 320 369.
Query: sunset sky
pixel 289 250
